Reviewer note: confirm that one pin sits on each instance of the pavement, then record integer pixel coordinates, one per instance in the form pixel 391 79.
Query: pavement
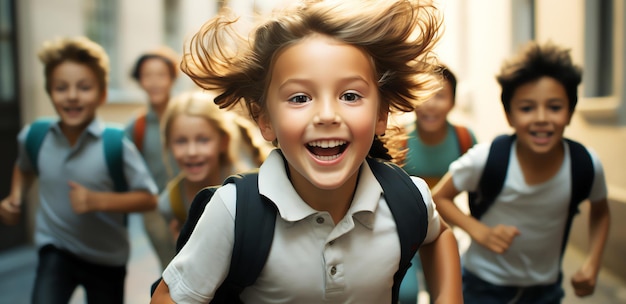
pixel 17 272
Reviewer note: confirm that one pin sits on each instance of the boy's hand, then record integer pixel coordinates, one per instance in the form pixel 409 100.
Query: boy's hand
pixel 584 282
pixel 10 210
pixel 78 198
pixel 497 239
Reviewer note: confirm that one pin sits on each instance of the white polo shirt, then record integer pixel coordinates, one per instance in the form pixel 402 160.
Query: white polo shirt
pixel 312 260
pixel 538 211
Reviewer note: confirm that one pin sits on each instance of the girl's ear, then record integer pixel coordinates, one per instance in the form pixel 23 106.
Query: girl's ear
pixel 381 123
pixel 266 127
pixel 225 143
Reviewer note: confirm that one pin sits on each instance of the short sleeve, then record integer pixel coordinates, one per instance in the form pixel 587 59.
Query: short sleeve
pixel 434 221
pixel 467 169
pixel 201 266
pixel 599 188
pixel 23 162
pixel 137 175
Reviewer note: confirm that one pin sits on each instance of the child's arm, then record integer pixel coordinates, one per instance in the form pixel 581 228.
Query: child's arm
pixel 497 239
pixel 84 200
pixel 442 267
pixel 161 294
pixel 584 280
pixel 10 207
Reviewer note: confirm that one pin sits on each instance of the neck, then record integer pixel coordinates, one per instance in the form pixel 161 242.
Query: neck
pixel 72 133
pixel 159 108
pixel 213 179
pixel 334 201
pixel 434 137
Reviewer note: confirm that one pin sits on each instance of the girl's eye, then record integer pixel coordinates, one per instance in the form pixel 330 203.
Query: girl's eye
pixel 351 97
pixel 180 141
pixel 85 87
pixel 299 99
pixel 203 140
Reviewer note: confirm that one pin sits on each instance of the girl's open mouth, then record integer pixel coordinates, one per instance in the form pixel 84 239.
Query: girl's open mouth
pixel 327 150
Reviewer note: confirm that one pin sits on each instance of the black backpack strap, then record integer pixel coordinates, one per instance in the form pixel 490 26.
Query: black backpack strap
pixel 254 232
pixel 195 211
pixel 582 180
pixel 409 211
pixel 493 176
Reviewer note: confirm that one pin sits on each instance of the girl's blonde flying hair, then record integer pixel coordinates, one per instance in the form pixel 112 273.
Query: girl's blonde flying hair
pixel 398 36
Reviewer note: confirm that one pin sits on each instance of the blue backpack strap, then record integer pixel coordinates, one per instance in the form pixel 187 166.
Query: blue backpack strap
pixel 583 175
pixel 493 176
pixel 34 139
pixel 112 142
pixel 409 211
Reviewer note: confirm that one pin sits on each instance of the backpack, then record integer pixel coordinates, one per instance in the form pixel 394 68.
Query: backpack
pixel 176 198
pixel 464 138
pixel 139 131
pixel 494 174
pixel 112 142
pixel 256 217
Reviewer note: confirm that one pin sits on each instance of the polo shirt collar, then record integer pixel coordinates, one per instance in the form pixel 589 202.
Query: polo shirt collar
pixel 95 127
pixel 276 186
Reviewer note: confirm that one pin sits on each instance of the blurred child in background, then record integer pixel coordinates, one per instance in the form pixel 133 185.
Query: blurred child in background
pixel 207 143
pixel 156 72
pixel 432 144
pixel 84 196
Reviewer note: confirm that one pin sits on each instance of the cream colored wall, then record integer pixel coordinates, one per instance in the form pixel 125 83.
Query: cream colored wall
pixel 599 130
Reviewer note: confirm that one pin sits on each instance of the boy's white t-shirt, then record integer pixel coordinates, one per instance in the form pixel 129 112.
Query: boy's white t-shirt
pixel 538 211
pixel 312 260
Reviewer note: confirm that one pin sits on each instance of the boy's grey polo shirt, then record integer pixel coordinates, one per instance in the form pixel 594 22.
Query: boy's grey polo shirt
pixel 98 237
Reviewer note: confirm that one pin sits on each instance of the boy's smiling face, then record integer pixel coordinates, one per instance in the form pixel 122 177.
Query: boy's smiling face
pixel 156 80
pixel 539 113
pixel 323 107
pixel 432 115
pixel 76 94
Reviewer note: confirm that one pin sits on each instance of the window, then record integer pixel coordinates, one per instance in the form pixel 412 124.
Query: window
pixel 101 27
pixel 598 60
pixel 523 22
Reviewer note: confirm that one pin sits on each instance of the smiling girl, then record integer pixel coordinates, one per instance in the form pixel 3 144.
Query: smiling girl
pixel 319 79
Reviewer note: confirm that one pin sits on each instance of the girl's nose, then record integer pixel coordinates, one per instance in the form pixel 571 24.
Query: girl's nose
pixel 326 112
pixel 192 149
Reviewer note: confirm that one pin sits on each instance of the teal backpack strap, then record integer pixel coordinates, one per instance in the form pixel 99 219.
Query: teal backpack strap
pixel 34 139
pixel 409 212
pixel 112 142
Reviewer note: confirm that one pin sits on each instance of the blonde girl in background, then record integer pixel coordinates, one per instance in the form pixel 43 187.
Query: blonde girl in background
pixel 208 144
